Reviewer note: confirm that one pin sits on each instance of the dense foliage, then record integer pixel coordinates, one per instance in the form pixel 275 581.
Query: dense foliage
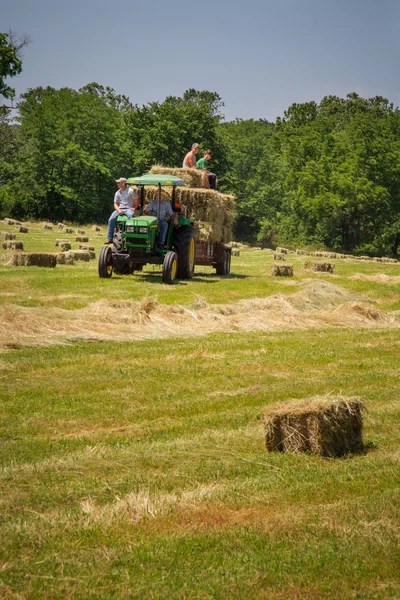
pixel 324 174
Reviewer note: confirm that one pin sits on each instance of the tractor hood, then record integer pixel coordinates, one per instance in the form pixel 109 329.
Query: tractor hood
pixel 144 221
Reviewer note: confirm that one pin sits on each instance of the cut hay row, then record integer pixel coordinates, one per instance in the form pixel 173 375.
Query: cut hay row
pixel 319 304
pixel 324 267
pixel 33 259
pixel 282 271
pixel 191 177
pixel 327 426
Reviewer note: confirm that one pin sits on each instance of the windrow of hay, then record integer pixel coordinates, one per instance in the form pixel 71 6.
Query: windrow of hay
pixel 213 211
pixel 324 267
pixel 282 271
pixel 191 177
pixel 327 425
pixel 33 259
pixel 319 304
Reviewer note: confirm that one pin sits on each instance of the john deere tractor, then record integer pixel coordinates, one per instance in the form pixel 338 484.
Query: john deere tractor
pixel 135 241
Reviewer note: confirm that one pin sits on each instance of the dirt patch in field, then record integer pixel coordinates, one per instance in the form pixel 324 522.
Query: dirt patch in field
pixel 319 304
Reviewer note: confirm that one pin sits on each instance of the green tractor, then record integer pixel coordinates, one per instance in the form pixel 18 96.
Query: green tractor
pixel 135 242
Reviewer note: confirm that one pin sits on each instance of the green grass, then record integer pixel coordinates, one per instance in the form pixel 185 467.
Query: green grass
pixel 138 470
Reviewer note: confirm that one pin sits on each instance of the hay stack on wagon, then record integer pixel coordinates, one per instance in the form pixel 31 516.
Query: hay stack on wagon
pixel 328 426
pixel 212 211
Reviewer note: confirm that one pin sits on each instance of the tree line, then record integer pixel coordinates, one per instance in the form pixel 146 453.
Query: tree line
pixel 323 174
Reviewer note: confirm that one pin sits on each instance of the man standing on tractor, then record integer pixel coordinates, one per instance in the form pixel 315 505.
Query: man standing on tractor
pixel 164 212
pixel 124 203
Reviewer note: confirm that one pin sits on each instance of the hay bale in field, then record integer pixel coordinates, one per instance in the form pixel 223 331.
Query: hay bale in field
pixel 300 252
pixel 96 228
pixel 85 247
pixel 65 246
pixel 62 241
pixel 282 271
pixel 69 230
pixel 10 221
pixel 92 254
pixel 327 426
pixel 34 259
pixel 191 177
pixel 79 255
pixel 69 258
pixel 81 238
pixel 21 229
pixel 60 226
pixel 13 245
pixel 81 231
pixel 235 252
pixel 323 267
pixel 47 226
pixel 279 256
pixel 8 236
pixel 60 258
pixel 282 250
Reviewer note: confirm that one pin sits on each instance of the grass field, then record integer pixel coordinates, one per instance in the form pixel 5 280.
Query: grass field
pixel 136 468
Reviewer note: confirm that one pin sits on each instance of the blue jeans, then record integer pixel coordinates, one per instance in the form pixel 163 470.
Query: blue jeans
pixel 163 231
pixel 129 212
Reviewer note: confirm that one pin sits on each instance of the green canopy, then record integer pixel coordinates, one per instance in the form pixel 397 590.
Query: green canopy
pixel 151 179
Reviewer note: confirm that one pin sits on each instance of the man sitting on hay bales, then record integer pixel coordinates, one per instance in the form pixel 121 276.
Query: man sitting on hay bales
pixel 210 179
pixel 164 211
pixel 189 162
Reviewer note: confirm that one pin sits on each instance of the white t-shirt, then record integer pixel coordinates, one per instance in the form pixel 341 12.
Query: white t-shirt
pixel 125 198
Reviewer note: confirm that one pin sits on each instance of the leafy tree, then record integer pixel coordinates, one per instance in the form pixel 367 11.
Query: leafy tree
pixel 10 60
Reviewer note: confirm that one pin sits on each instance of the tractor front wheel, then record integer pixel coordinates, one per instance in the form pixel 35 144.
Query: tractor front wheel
pixel 105 262
pixel 170 267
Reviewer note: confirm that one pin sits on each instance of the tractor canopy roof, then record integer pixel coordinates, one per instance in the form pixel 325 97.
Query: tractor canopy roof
pixel 151 179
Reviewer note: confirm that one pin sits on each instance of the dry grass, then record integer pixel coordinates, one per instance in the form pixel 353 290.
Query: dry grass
pixel 319 304
pixel 379 278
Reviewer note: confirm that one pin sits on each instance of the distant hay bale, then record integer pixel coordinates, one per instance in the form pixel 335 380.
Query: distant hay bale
pixel 235 252
pixel 282 271
pixel 69 230
pixel 81 231
pixel 65 246
pixel 282 250
pixel 327 426
pixel 92 254
pixel 96 228
pixel 82 238
pixel 62 241
pixel 279 256
pixel 79 255
pixel 324 267
pixel 61 226
pixel 300 252
pixel 21 229
pixel 191 177
pixel 47 226
pixel 60 258
pixel 69 258
pixel 8 236
pixel 34 259
pixel 13 245
pixel 85 247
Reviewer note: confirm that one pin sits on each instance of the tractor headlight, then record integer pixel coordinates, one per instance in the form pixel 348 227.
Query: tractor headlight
pixel 142 229
pixel 129 229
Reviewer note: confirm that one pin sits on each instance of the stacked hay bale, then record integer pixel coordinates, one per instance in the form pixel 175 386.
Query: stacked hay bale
pixel 328 426
pixel 33 259
pixel 212 211
pixel 324 267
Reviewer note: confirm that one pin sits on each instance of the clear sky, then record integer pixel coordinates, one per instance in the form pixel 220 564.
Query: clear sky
pixel 260 56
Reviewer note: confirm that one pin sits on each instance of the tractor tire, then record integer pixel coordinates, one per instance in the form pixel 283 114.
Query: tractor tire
pixel 224 268
pixel 105 262
pixel 170 267
pixel 117 241
pixel 185 248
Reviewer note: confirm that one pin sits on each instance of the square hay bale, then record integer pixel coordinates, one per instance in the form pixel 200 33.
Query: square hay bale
pixel 282 271
pixel 81 231
pixel 82 238
pixel 13 245
pixel 69 230
pixel 86 247
pixel 21 229
pixel 300 251
pixel 96 228
pixel 60 258
pixel 80 255
pixel 278 256
pixel 327 426
pixel 62 241
pixel 282 250
pixel 235 252
pixel 8 236
pixel 65 246
pixel 325 267
pixel 61 226
pixel 9 221
pixel 34 259
pixel 47 226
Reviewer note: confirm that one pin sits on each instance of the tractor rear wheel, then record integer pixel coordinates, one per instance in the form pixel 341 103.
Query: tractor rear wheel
pixel 170 267
pixel 105 262
pixel 185 247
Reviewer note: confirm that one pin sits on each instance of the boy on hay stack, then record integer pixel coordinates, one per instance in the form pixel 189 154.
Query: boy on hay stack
pixel 209 180
pixel 164 215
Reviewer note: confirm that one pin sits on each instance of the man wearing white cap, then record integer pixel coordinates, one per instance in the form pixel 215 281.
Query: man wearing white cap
pixel 124 202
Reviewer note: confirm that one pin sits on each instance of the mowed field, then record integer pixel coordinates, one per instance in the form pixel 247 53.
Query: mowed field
pixel 132 450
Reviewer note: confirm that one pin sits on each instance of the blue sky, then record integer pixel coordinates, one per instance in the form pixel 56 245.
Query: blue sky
pixel 260 56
